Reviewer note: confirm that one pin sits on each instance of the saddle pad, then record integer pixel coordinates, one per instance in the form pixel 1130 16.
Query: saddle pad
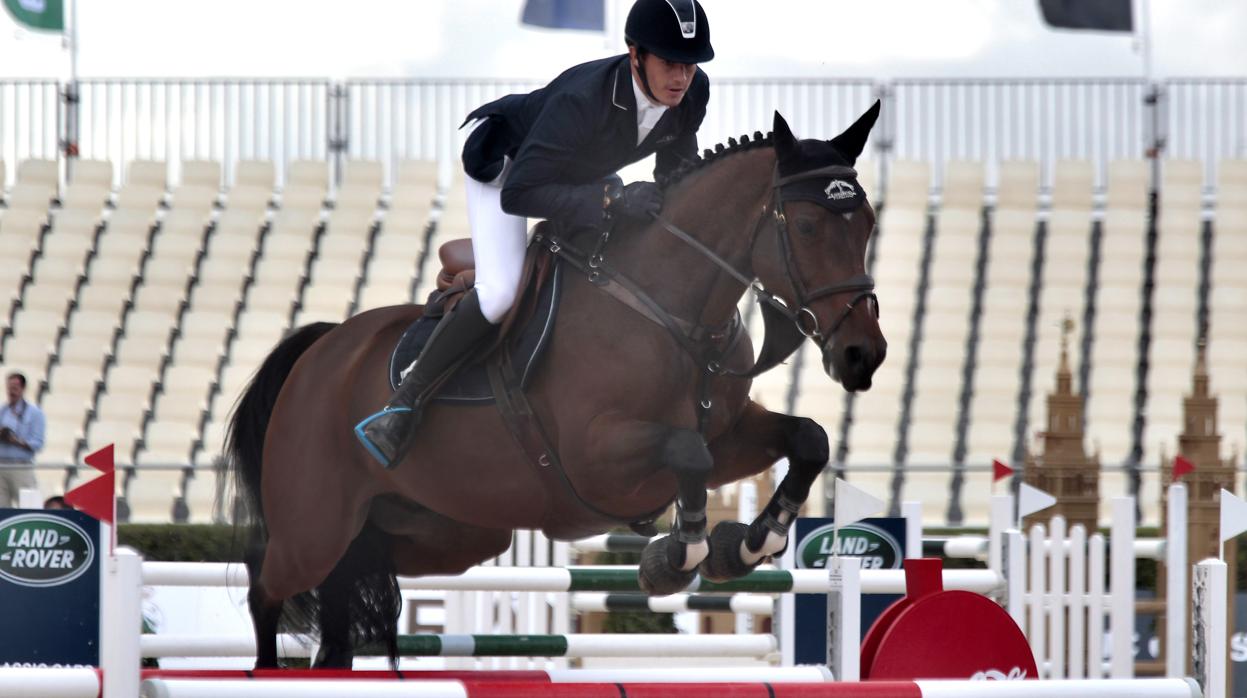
pixel 470 385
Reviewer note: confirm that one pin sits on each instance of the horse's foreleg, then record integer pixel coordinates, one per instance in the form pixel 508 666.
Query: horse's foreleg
pixel 759 438
pixel 265 612
pixel 669 563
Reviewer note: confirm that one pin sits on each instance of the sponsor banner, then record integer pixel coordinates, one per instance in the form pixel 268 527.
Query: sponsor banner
pixel 49 588
pixel 879 542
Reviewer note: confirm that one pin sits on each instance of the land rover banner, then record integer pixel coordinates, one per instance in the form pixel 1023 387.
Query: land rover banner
pixel 49 588
pixel 879 542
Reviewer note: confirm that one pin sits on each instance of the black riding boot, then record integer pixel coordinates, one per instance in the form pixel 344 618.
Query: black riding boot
pixel 388 434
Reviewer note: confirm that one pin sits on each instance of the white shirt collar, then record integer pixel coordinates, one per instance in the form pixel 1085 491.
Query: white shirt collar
pixel 647 113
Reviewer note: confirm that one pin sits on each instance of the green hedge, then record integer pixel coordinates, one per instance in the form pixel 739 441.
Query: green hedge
pixel 184 542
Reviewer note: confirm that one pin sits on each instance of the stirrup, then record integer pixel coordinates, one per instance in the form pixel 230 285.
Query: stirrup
pixel 367 442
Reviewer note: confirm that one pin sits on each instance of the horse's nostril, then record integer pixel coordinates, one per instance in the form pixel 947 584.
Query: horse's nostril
pixel 853 355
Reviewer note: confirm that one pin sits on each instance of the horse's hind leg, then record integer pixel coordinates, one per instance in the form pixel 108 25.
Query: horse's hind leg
pixel 359 602
pixel 758 440
pixel 337 650
pixel 669 563
pixel 265 612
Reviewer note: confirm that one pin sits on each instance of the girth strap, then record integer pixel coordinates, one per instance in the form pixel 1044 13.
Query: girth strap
pixel 525 427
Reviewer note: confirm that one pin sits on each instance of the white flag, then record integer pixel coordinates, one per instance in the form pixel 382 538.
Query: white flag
pixel 1032 499
pixel 1233 515
pixel 854 504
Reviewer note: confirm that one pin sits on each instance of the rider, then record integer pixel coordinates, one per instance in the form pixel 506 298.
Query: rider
pixel 553 153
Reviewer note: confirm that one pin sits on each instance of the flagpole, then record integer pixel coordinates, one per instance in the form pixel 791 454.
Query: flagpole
pixel 71 94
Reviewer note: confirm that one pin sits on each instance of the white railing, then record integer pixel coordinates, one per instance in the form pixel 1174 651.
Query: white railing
pixel 936 120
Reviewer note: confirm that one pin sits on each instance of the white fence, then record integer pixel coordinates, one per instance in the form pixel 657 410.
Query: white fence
pixel 282 120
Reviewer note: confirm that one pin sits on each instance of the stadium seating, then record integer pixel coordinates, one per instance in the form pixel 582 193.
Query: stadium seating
pixel 1227 343
pixel 139 313
pixel 901 238
pixel 1002 328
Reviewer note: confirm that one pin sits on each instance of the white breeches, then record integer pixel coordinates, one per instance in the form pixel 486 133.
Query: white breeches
pixel 499 241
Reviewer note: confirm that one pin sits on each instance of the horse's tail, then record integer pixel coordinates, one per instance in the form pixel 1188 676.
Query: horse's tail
pixel 363 581
pixel 244 440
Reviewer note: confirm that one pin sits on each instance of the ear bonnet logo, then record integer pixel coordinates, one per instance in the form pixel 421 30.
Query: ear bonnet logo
pixel 838 190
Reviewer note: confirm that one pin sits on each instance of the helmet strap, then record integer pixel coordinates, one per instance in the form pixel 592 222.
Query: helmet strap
pixel 640 69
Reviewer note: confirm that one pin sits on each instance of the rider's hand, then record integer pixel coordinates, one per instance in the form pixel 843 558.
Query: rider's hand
pixel 639 200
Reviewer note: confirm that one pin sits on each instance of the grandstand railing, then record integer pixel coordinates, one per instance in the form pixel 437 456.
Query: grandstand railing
pixel 936 120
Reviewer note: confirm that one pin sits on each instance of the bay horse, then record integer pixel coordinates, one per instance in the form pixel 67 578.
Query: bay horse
pixel 644 401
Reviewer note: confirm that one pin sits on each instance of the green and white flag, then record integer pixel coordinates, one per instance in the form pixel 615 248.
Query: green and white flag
pixel 44 15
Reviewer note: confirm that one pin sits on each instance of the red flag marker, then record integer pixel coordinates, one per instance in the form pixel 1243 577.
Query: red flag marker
pixel 101 460
pixel 1000 471
pixel 1181 466
pixel 96 498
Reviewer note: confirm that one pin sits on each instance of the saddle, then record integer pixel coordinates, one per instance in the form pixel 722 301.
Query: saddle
pixel 521 338
pixel 498 372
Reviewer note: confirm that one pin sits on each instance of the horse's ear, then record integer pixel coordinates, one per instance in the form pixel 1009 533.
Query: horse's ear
pixel 851 143
pixel 784 140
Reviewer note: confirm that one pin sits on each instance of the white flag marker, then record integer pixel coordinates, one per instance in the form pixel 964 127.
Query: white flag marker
pixel 854 504
pixel 1233 518
pixel 1031 500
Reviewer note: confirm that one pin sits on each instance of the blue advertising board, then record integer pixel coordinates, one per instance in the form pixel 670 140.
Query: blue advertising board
pixel 879 542
pixel 49 588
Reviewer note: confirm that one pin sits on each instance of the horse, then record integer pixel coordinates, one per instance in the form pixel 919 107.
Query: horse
pixel 642 398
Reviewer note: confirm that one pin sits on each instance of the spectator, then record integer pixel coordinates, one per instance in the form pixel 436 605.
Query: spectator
pixel 21 437
pixel 56 502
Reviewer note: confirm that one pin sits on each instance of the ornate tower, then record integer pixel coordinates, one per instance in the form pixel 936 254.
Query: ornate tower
pixel 1200 443
pixel 1062 467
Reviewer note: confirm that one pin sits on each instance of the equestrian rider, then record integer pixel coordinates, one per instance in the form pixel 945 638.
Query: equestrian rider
pixel 553 153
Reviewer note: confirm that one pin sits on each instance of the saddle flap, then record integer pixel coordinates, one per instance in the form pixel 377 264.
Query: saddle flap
pixel 523 332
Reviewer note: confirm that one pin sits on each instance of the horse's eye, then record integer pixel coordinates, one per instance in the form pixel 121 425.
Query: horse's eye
pixel 805 227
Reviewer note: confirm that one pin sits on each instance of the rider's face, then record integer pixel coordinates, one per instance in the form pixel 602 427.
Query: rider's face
pixel 667 80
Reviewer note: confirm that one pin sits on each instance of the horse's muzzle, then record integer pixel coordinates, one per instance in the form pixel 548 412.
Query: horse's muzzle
pixel 853 365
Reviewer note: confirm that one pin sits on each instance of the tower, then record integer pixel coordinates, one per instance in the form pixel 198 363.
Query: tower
pixel 1063 468
pixel 1200 443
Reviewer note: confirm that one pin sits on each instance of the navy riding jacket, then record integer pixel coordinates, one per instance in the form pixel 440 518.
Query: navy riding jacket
pixel 567 137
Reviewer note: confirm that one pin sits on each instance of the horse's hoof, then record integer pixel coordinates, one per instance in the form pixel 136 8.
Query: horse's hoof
pixel 656 575
pixel 724 562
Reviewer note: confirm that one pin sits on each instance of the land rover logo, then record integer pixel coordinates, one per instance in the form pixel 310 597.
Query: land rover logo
pixel 39 550
pixel 877 548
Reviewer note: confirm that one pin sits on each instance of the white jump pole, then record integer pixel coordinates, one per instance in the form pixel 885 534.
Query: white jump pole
pixel 746 511
pixel 1208 594
pixel 1121 589
pixel 844 617
pixel 1000 519
pixel 1104 688
pixel 49 683
pixel 912 511
pixel 121 619
pixel 1175 591
pixel 1015 576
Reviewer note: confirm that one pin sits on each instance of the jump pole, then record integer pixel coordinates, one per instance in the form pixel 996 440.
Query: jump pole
pixel 1146 688
pixel 573 645
pixel 604 578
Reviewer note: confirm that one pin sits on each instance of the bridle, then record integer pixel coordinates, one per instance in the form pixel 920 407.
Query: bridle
pixel 803 317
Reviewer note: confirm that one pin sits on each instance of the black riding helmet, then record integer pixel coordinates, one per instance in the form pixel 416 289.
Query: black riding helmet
pixel 676 30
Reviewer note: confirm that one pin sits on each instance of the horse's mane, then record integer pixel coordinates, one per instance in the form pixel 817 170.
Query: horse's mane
pixel 711 156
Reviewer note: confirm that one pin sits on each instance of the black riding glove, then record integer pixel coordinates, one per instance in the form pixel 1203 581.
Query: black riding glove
pixel 639 200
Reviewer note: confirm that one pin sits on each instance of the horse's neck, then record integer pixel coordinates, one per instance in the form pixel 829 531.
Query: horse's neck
pixel 720 209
